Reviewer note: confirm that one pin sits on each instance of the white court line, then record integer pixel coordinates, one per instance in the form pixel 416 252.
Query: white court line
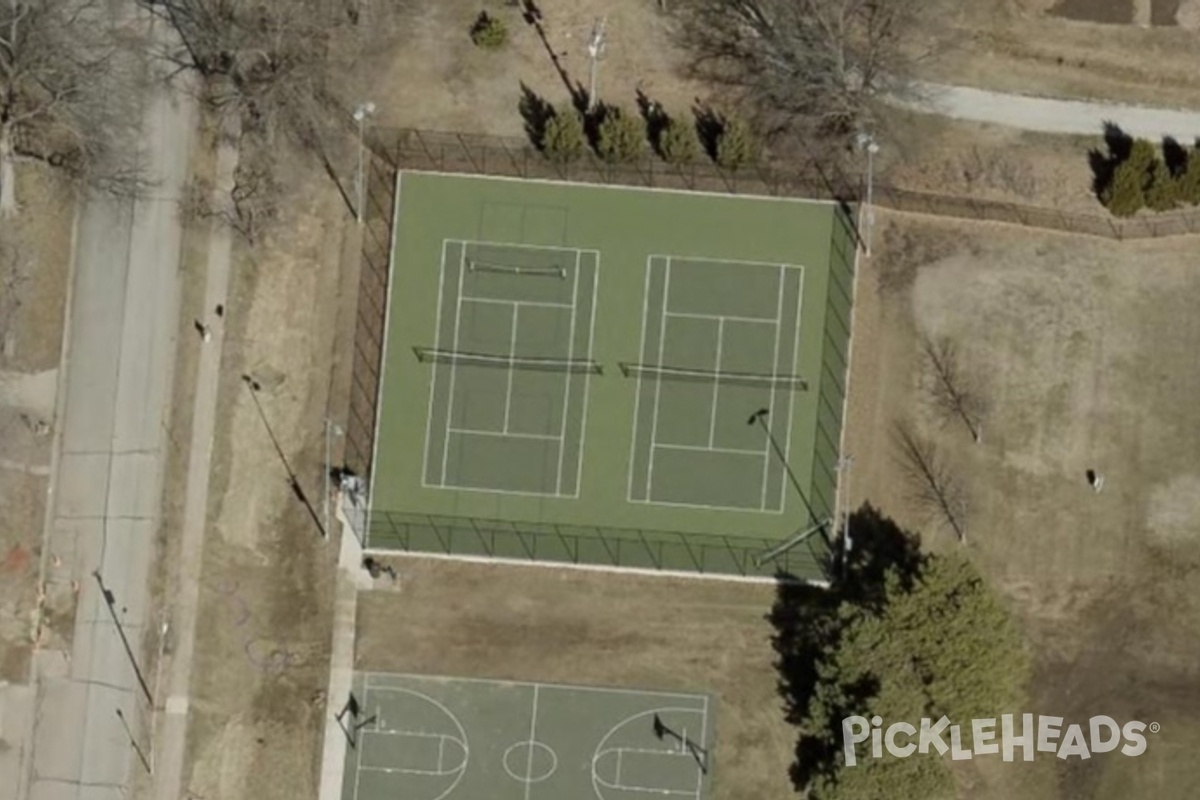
pixel 566 404
pixel 637 398
pixel 520 245
pixel 459 487
pixel 441 752
pixel 696 448
pixel 587 377
pixel 662 332
pixel 626 188
pixel 787 443
pixel 712 420
pixel 470 298
pixel 503 434
pixel 532 739
pixel 437 331
pixel 618 778
pixel 567 687
pixel 704 747
pixel 730 317
pixel 567 565
pixel 762 503
pixel 734 261
pixel 462 256
pixel 387 322
pixel 512 369
pixel 705 506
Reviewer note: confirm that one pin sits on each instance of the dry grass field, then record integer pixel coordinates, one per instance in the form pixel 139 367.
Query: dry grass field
pixel 1036 47
pixel 1085 354
pixel 35 257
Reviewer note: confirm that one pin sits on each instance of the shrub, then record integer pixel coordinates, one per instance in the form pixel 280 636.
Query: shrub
pixel 1189 181
pixel 619 137
pixel 489 32
pixel 678 143
pixel 1126 194
pixel 1163 191
pixel 735 145
pixel 562 141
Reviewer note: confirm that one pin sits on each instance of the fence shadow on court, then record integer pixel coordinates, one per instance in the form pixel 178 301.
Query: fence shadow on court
pixel 807 623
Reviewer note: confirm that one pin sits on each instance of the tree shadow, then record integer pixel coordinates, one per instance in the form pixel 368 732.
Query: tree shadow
pixel 710 124
pixel 1175 155
pixel 536 111
pixel 593 119
pixel 1117 146
pixel 579 95
pixel 809 621
pixel 656 119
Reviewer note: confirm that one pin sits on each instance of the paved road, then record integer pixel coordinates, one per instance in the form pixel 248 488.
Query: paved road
pixel 1051 115
pixel 107 484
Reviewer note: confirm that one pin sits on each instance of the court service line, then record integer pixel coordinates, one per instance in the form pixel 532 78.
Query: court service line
pixel 566 404
pixel 470 298
pixel 512 370
pixel 787 443
pixel 716 396
pixel 662 341
pixel 437 328
pixel 504 434
pixel 762 503
pixel 734 261
pixel 637 398
pixel 587 377
pixel 462 269
pixel 730 317
pixel 523 245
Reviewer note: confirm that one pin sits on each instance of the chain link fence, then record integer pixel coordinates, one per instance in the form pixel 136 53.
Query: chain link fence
pixel 441 151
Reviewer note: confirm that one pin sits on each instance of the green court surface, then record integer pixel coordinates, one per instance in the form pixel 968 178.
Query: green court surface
pixel 432 738
pixel 617 377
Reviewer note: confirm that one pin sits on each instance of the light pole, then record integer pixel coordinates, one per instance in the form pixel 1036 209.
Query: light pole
pixel 331 429
pixel 866 141
pixel 595 49
pixel 361 113
pixel 843 465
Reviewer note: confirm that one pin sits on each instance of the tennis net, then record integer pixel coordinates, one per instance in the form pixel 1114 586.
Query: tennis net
pixel 434 355
pixel 662 371
pixel 474 265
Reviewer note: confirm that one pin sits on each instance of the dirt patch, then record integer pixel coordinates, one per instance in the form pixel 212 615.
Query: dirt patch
pixel 1085 353
pixel 596 629
pixel 1111 12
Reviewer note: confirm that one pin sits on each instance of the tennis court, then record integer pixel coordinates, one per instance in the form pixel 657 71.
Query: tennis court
pixel 608 376
pixel 433 738
pixel 511 367
pixel 719 343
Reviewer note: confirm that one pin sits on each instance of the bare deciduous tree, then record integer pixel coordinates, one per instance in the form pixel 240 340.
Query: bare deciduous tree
pixel 69 80
pixel 816 63
pixel 252 203
pixel 951 391
pixel 933 485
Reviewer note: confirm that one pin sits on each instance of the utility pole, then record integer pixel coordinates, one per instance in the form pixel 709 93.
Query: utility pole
pixel 361 112
pixel 595 49
pixel 331 429
pixel 866 141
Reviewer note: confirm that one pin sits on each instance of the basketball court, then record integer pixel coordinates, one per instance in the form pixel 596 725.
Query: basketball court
pixel 434 738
